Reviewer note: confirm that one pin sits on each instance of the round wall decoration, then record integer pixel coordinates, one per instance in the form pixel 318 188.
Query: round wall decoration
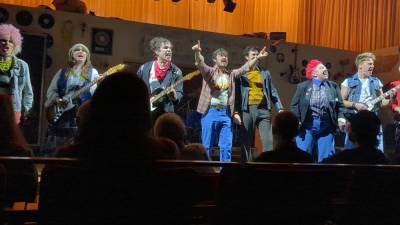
pixel 46 21
pixel 3 15
pixel 102 40
pixel 24 18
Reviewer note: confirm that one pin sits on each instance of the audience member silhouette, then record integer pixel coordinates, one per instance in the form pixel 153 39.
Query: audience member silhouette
pixel 170 125
pixel 21 177
pixel 123 181
pixel 363 130
pixel 285 128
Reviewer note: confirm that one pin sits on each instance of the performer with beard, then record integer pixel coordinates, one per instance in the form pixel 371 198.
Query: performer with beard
pixel 217 98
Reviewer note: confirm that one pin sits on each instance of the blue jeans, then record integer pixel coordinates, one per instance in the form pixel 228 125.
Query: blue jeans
pixel 217 122
pixel 324 142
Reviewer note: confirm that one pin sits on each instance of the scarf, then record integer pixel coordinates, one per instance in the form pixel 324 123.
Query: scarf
pixel 160 73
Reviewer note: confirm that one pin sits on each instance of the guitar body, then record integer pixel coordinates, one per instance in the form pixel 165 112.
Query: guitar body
pixel 55 111
pixel 156 103
pixel 370 106
pixel 158 96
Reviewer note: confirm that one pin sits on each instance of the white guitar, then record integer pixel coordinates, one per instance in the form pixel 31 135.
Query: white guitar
pixel 371 104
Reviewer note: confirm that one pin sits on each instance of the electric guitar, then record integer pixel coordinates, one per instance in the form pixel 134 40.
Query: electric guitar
pixel 371 103
pixel 55 111
pixel 157 96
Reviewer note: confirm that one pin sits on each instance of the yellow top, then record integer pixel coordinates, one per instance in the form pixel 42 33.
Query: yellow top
pixel 5 66
pixel 255 89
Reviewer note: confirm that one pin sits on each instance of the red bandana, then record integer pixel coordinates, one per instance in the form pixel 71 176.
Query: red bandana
pixel 160 73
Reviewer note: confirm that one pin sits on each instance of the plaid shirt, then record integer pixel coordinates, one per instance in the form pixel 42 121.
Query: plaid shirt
pixel 209 74
pixel 319 102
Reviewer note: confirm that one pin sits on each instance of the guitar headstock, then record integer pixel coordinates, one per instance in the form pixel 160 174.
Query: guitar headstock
pixel 189 76
pixel 115 69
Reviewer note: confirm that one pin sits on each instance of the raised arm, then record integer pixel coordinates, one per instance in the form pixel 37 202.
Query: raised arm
pixel 205 70
pixel 263 53
pixel 198 57
pixel 249 64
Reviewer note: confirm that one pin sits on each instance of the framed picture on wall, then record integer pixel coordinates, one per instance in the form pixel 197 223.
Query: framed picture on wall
pixel 102 40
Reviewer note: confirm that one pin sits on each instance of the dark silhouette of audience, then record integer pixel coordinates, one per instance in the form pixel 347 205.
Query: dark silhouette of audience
pixel 21 177
pixel 363 130
pixel 285 128
pixel 122 181
pixel 171 126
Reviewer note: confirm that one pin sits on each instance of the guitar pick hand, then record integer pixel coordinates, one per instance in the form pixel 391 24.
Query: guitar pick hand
pixel 172 95
pixel 360 106
pixel 61 102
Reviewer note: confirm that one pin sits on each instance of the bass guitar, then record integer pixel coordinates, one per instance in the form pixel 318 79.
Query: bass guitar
pixel 55 111
pixel 158 94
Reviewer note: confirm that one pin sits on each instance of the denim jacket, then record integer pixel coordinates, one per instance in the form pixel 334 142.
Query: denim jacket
pixel 173 75
pixel 21 87
pixel 354 85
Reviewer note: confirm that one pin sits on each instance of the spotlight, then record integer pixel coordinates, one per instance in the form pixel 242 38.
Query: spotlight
pixel 229 6
pixel 210 1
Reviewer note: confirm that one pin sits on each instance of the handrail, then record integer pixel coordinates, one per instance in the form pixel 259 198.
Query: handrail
pixel 182 163
pixel 39 160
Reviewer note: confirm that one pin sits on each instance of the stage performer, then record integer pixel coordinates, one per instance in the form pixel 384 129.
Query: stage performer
pixel 159 75
pixel 15 78
pixel 217 98
pixel 360 89
pixel 78 73
pixel 257 95
pixel 318 105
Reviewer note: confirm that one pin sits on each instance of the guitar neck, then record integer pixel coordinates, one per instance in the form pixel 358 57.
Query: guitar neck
pixel 384 95
pixel 164 92
pixel 84 89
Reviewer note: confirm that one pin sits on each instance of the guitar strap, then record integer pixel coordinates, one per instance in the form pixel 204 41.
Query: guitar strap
pixel 86 95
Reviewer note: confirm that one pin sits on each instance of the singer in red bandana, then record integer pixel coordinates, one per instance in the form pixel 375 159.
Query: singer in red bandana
pixel 159 74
